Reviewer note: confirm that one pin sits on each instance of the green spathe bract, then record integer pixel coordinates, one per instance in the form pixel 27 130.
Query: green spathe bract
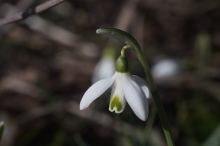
pixel 121 64
pixel 116 103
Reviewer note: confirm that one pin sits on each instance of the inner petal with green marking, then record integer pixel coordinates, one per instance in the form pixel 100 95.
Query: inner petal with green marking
pixel 116 104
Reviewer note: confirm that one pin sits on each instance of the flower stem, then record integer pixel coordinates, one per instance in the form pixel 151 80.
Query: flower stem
pixel 123 49
pixel 163 118
pixel 158 102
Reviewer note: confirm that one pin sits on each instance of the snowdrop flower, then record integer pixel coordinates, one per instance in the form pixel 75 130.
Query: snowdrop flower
pixel 105 67
pixel 125 87
pixel 165 69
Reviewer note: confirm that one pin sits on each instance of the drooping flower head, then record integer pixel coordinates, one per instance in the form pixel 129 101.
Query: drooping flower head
pixel 126 87
pixel 134 88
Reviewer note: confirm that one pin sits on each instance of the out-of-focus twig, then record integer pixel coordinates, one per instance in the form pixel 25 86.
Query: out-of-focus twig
pixel 7 12
pixel 31 11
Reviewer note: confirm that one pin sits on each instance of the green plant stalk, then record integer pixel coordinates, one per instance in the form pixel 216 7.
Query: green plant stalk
pixel 135 47
pixel 158 102
pixel 2 125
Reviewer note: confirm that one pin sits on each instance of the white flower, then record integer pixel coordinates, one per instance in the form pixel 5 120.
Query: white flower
pixel 126 87
pixel 104 68
pixel 166 68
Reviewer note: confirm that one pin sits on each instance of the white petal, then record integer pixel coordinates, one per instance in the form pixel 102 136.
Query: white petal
pixel 117 100
pixel 144 86
pixel 136 99
pixel 95 91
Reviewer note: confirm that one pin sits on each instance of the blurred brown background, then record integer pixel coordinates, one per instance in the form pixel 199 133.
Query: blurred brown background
pixel 48 59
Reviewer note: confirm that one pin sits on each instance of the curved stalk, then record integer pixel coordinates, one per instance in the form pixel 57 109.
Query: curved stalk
pixel 135 47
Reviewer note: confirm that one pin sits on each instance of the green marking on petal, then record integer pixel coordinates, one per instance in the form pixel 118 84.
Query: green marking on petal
pixel 116 104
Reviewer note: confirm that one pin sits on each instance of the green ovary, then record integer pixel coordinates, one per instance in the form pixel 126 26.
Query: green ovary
pixel 116 103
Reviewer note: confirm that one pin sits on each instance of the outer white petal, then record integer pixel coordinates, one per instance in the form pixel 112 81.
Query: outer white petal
pixel 136 99
pixel 144 86
pixel 95 91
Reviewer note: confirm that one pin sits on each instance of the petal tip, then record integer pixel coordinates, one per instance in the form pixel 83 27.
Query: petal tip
pixel 95 91
pixel 143 118
pixel 82 106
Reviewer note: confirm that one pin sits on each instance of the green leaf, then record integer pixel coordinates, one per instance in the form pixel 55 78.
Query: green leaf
pixel 214 139
pixel 2 125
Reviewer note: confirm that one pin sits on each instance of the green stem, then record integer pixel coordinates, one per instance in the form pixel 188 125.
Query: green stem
pixel 158 102
pixel 163 118
pixel 1 129
pixel 135 47
pixel 123 49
